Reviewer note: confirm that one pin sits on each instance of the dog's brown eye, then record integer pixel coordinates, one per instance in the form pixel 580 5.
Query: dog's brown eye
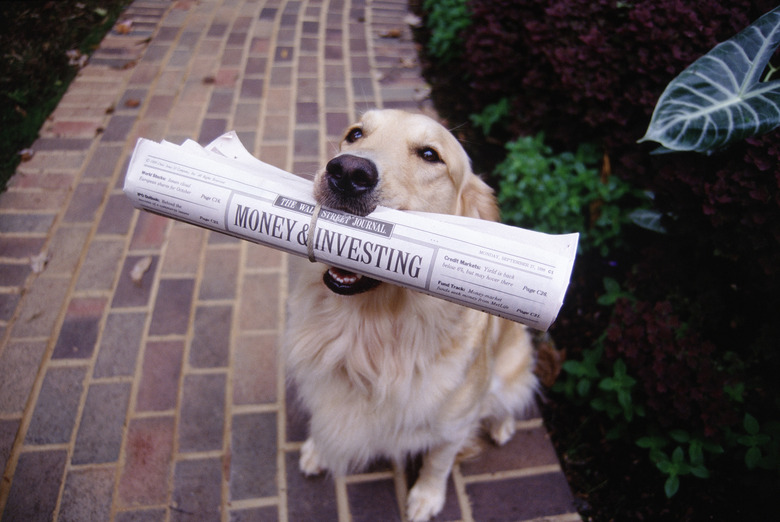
pixel 354 135
pixel 429 155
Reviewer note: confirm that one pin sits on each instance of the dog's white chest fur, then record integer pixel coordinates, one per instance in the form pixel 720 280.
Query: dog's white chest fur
pixel 382 383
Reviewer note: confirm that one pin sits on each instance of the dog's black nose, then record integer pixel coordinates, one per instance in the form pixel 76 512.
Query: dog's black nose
pixel 351 176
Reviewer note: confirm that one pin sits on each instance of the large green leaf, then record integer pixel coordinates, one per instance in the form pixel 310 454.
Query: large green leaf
pixel 720 98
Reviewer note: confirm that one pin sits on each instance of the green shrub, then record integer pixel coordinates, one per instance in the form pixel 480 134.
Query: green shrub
pixel 561 193
pixel 445 21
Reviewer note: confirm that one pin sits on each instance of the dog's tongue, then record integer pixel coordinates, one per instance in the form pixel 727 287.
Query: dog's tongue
pixel 344 282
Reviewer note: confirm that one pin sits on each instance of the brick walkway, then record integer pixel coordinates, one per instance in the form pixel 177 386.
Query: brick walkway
pixel 165 400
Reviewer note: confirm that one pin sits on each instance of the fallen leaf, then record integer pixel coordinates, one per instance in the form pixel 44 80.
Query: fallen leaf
pixel 413 20
pixel 124 27
pixel 139 269
pixel 391 33
pixel 38 263
pixel 26 154
pixel 132 103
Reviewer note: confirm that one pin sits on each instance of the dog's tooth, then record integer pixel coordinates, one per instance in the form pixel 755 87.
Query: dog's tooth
pixel 344 278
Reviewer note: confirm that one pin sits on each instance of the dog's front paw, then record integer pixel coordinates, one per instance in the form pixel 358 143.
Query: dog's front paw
pixel 424 502
pixel 502 431
pixel 310 463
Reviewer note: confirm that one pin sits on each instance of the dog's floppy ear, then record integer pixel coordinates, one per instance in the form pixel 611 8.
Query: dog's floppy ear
pixel 476 199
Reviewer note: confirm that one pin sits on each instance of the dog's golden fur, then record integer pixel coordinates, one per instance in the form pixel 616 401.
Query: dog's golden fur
pixel 392 372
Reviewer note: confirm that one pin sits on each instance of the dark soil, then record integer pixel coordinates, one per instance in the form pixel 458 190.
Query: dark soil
pixel 34 67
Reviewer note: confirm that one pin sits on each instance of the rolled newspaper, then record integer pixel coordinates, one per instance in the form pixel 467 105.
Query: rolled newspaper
pixel 507 271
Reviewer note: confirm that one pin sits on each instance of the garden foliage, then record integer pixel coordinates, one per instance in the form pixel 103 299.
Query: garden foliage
pixel 671 334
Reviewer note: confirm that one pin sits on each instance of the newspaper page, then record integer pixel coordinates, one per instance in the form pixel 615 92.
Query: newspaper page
pixel 507 271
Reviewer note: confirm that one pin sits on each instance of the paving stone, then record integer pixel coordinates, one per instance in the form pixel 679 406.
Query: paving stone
pixel 210 346
pixel 87 495
pixel 309 498
pixel 118 127
pixel 307 142
pixel 221 102
pixel 276 127
pixel 197 490
pixel 100 431
pixel 251 88
pixel 148 461
pixel 150 230
pixel 117 215
pixel 141 515
pixel 523 498
pixel 8 304
pixel 120 344
pixel 21 247
pixel 307 113
pixel 261 514
pixel 65 249
pixel 8 430
pixel 172 307
pixel 182 255
pixel 160 105
pixel 62 144
pixel 202 419
pixel 25 223
pixel 336 123
pixel 13 275
pixel 77 338
pixel 55 411
pixel 219 274
pixel 38 199
pixel 40 307
pixel 259 307
pixel 211 129
pixel 101 265
pixel 374 500
pixel 527 449
pixel 35 486
pixel 159 386
pixel 297 421
pixel 281 76
pixel 254 369
pixel 253 456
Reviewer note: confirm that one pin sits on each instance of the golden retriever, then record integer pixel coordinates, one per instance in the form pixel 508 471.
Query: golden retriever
pixel 389 372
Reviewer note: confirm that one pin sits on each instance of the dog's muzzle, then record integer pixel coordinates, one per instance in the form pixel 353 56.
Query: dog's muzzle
pixel 350 182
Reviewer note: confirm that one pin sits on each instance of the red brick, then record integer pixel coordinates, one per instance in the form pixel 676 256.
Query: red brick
pixel 87 495
pixel 172 308
pixel 149 451
pixel 35 487
pixel 309 498
pixel 253 456
pixel 375 500
pixel 202 419
pixel 259 303
pixel 197 490
pixel 219 274
pixel 527 449
pixel 150 230
pixel 525 498
pixel 159 386
pixel 254 369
